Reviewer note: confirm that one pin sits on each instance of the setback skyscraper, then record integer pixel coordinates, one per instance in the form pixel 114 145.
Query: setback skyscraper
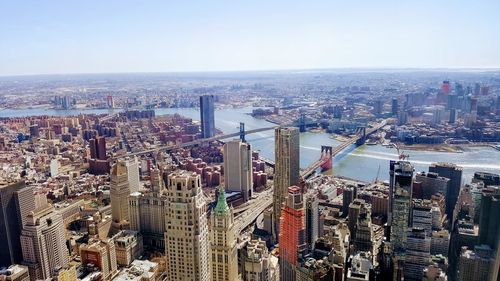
pixel 286 174
pixel 187 241
pixel 124 181
pixel 207 116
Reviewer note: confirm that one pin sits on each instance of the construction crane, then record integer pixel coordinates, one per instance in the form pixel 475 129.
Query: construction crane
pixel 401 155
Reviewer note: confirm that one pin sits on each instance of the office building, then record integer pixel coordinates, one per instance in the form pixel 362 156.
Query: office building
pixel 43 243
pixel 124 181
pixel 430 184
pixel 147 213
pixel 223 243
pixel 25 203
pixel 422 215
pixel 292 233
pixel 477 264
pixel 286 173
pixel 10 223
pixel 100 253
pixel 238 173
pixel 454 173
pixel 360 267
pixel 355 209
pixel 489 225
pixel 440 242
pixel 207 116
pixel 187 241
pixel 312 218
pixel 394 107
pixel 418 254
pixel 128 246
pixel 348 195
pixel 98 148
pixel 434 273
pixel 312 269
pixel 257 262
pixel 15 272
pixel 400 188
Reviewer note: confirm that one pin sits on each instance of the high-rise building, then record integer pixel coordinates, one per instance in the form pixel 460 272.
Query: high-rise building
pixel 360 267
pixel 102 254
pixel 207 114
pixel 312 218
pixel 98 148
pixel 394 107
pixel 378 107
pixel 147 213
pixel 286 173
pixel 25 204
pixel 355 209
pixel 422 215
pixel 257 262
pixel 44 244
pixel 109 102
pixel 187 241
pixel 223 242
pixel 489 226
pixel 454 173
pixel 124 181
pixel 128 246
pixel 238 173
pixel 400 188
pixel 10 223
pixel 418 254
pixel 440 242
pixel 430 183
pixel 292 233
pixel 477 264
pixel 348 195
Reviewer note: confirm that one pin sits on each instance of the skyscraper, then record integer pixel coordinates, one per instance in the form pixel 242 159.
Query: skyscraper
pixel 292 233
pixel 100 253
pixel 44 244
pixel 124 181
pixel 489 226
pixel 238 174
pixel 454 173
pixel 187 241
pixel 223 242
pixel 10 224
pixel 312 218
pixel 400 188
pixel 256 262
pixel 477 264
pixel 286 173
pixel 207 116
pixel 418 255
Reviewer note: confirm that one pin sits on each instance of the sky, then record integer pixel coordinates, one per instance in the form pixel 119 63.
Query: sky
pixel 103 36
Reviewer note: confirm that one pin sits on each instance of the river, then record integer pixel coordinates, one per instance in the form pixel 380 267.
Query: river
pixel 364 163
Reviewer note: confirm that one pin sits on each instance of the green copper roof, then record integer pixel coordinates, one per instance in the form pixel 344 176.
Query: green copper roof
pixel 222 207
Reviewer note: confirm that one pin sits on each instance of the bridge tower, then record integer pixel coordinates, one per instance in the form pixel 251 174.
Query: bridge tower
pixel 302 123
pixel 361 131
pixel 242 132
pixel 326 157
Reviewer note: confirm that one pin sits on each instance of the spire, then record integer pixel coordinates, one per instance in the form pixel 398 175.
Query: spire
pixel 222 207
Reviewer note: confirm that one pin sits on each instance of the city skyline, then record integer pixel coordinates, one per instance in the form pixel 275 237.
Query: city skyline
pixel 116 37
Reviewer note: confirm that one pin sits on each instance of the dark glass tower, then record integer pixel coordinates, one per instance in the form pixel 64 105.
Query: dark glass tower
pixel 207 116
pixel 10 228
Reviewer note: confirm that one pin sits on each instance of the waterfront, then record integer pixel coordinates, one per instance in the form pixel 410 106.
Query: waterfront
pixel 358 163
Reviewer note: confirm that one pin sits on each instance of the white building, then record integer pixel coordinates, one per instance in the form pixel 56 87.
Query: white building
pixel 43 243
pixel 238 173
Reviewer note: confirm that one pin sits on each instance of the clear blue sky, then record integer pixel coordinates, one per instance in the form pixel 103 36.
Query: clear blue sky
pixel 89 36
